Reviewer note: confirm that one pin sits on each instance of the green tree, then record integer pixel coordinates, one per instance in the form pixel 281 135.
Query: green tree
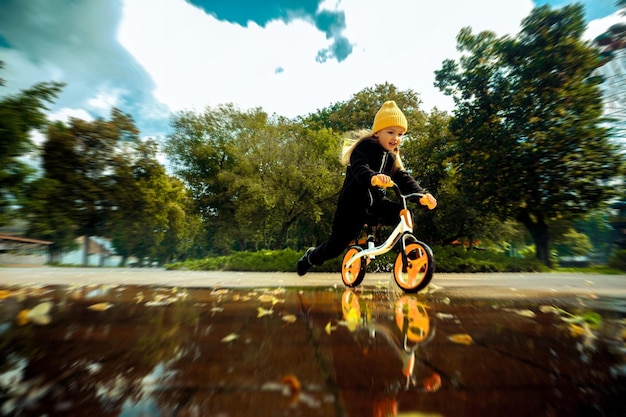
pixel 285 173
pixel 46 210
pixel 252 177
pixel 573 243
pixel 184 231
pixel 358 112
pixel 142 200
pixel 82 156
pixel 528 117
pixel 200 147
pixel 19 115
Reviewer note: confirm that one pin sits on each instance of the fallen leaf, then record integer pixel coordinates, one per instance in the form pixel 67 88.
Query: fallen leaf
pixel 264 312
pixel 100 306
pixel 292 383
pixel 548 309
pixel 266 298
pixel 526 313
pixel 328 328
pixel 22 317
pixel 292 387
pixel 289 318
pixel 230 338
pixel 352 320
pixel 4 294
pixel 576 330
pixel 40 313
pixel 461 338
pixel 442 316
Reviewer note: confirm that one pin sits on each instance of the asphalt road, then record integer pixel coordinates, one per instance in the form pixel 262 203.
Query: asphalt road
pixel 239 344
pixel 470 285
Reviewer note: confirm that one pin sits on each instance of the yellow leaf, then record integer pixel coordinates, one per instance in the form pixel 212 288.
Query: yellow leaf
pixel 43 308
pixel 576 330
pixel 289 318
pixel 352 320
pixel 461 338
pixel 266 298
pixel 328 328
pixel 264 312
pixel 526 313
pixel 22 317
pixel 548 309
pixel 100 306
pixel 39 314
pixel 4 294
pixel 230 338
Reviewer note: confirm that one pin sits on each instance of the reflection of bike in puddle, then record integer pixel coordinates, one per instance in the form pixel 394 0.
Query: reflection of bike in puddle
pixel 415 330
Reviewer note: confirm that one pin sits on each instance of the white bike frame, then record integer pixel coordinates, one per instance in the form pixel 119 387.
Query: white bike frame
pixel 405 225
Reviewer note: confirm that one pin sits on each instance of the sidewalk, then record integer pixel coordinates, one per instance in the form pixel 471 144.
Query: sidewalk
pixel 471 285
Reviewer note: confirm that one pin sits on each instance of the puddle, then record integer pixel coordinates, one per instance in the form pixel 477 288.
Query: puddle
pixel 149 351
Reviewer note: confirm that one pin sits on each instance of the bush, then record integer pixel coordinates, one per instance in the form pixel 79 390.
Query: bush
pixel 618 260
pixel 459 259
pixel 447 259
pixel 261 261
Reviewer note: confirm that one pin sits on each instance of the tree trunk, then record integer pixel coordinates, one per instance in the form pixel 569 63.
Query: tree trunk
pixel 539 231
pixel 86 250
pixel 282 234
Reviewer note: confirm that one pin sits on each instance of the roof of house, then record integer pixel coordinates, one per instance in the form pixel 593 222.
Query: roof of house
pixel 24 240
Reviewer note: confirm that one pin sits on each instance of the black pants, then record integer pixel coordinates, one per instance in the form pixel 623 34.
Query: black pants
pixel 347 224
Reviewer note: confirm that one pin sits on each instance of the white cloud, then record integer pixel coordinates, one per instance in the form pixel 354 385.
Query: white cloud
pixel 196 60
pixel 105 99
pixel 599 26
pixel 66 113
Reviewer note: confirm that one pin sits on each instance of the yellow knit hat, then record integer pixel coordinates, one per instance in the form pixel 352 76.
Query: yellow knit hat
pixel 387 116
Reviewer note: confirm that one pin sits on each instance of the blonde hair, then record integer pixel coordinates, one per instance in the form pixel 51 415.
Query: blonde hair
pixel 354 138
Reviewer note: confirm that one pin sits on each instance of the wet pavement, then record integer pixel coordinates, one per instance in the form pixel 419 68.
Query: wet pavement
pixel 83 342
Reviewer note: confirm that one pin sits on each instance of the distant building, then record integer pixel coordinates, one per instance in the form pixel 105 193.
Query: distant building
pixel 15 250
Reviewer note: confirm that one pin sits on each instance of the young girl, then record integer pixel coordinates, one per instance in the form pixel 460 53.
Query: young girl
pixel 372 161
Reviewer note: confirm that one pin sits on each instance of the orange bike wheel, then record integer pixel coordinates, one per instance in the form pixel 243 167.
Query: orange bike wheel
pixel 419 270
pixel 353 275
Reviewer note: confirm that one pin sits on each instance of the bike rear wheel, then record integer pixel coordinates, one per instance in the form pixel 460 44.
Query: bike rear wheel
pixel 419 269
pixel 353 275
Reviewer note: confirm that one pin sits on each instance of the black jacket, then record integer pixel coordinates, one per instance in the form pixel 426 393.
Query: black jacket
pixel 368 159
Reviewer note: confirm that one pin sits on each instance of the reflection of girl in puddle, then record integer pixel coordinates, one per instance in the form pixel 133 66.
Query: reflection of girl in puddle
pixel 414 325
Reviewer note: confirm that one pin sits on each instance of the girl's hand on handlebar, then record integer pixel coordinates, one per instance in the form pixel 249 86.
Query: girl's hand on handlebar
pixel 428 200
pixel 382 180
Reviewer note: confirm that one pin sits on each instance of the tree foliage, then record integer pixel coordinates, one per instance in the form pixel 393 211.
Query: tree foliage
pixel 252 177
pixel 528 117
pixel 152 217
pixel 19 115
pixel 82 157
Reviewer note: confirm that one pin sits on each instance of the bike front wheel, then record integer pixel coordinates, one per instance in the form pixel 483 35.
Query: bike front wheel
pixel 353 274
pixel 419 269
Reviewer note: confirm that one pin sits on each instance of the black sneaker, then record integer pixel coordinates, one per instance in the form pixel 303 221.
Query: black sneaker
pixel 304 264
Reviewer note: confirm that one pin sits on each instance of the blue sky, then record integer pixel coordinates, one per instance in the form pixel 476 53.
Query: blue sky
pixel 154 57
pixel 594 9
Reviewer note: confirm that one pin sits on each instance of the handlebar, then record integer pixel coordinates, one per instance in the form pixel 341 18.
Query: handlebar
pixel 423 199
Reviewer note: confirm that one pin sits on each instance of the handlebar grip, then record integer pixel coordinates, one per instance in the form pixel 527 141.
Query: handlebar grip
pixel 381 185
pixel 425 201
